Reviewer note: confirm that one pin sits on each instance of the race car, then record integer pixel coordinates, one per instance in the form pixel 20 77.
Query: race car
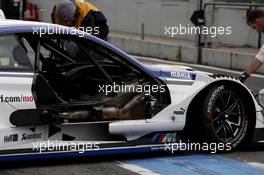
pixel 64 92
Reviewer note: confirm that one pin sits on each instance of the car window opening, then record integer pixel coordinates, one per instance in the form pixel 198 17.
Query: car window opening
pixel 68 83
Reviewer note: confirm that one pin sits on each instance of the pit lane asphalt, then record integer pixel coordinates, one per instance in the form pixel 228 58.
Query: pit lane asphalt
pixel 109 165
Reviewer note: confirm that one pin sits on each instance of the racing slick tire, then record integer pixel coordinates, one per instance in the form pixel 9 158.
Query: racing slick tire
pixel 224 119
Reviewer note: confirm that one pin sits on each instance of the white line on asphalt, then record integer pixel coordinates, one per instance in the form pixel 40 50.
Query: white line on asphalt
pixel 256 164
pixel 195 65
pixel 136 169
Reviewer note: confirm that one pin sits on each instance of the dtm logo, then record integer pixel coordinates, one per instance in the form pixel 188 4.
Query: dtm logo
pixel 181 75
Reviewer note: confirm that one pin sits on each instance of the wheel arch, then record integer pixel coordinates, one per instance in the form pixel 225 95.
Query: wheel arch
pixel 247 98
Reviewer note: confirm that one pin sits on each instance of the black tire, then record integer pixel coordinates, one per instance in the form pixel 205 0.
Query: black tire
pixel 224 117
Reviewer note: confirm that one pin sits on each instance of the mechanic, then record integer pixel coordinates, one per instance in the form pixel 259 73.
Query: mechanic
pixel 255 19
pixel 81 15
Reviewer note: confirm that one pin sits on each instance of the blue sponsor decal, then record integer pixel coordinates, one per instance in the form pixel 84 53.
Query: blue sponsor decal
pixel 181 75
pixel 175 75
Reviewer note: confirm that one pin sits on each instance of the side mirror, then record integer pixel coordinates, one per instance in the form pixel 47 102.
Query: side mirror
pixel 260 97
pixel 2 15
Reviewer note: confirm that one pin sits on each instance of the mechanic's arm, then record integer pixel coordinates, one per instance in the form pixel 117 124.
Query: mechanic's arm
pixel 53 15
pixel 253 66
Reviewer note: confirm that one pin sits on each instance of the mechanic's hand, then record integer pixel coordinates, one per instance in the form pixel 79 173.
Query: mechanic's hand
pixel 243 77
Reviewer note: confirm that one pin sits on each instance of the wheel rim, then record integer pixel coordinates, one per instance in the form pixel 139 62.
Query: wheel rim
pixel 228 116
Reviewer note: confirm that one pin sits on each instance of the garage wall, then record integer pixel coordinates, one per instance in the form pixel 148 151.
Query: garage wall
pixel 128 16
pixel 242 35
pixel 45 8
